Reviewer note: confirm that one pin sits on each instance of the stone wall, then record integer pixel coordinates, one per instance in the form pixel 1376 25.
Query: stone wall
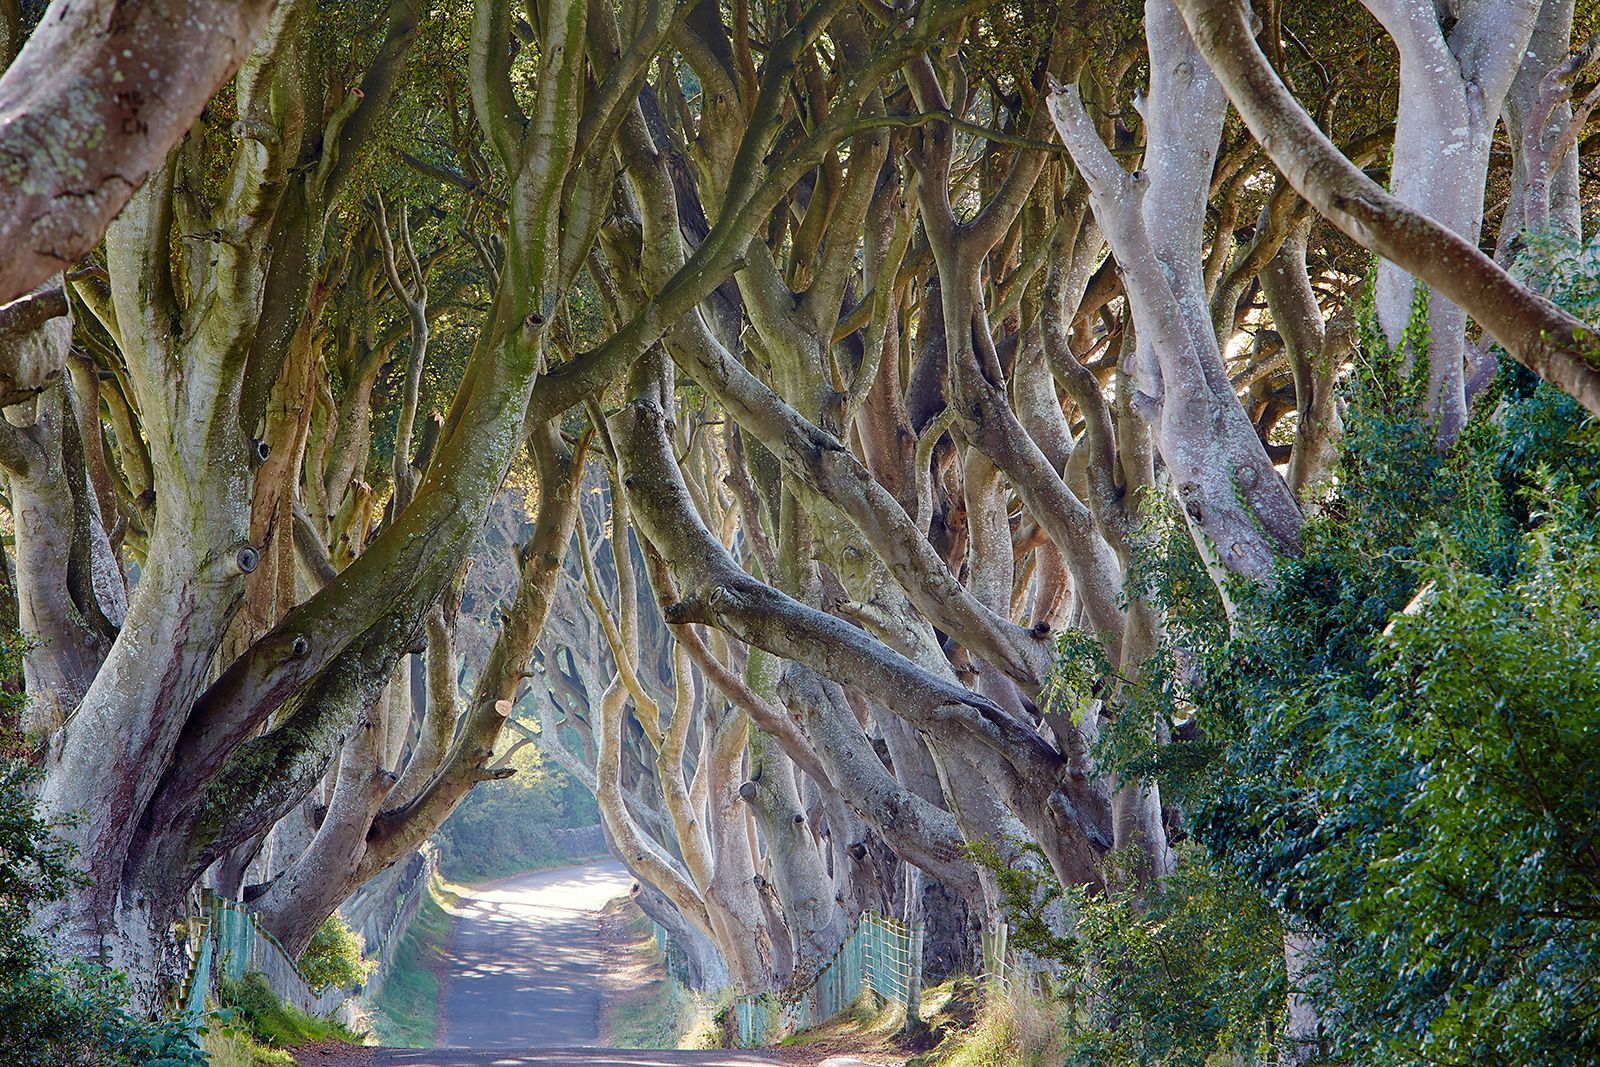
pixel 382 909
pixel 579 842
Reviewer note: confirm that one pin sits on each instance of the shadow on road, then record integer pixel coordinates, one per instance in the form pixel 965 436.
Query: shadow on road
pixel 524 979
pixel 524 965
pixel 572 1057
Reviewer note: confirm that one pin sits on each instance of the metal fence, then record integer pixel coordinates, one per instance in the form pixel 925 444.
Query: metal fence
pixel 671 955
pixel 226 942
pixel 191 999
pixel 244 946
pixel 997 970
pixel 881 955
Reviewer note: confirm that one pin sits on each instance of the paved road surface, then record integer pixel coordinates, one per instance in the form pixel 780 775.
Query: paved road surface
pixel 523 987
pixel 525 965
pixel 592 1057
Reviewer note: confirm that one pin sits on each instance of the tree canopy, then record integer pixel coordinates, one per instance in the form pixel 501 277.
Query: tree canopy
pixel 1127 470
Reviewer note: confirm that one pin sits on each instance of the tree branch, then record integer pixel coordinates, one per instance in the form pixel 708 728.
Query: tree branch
pixel 92 104
pixel 1533 331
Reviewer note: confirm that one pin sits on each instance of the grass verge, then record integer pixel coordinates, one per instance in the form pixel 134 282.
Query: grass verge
pixel 254 1008
pixel 255 1029
pixel 405 1013
pixel 645 1006
pixel 228 1046
pixel 967 1029
pixel 870 1023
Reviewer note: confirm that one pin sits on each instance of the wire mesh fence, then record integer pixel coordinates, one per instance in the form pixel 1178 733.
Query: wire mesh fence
pixel 227 942
pixel 677 963
pixel 881 955
pixel 191 999
pixel 242 946
pixel 997 974
pixel 233 933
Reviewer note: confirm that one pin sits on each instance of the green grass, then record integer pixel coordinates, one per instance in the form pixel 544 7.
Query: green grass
pixel 869 1018
pixel 1022 1030
pixel 660 1013
pixel 253 1008
pixel 227 1046
pixel 657 1015
pixel 406 1010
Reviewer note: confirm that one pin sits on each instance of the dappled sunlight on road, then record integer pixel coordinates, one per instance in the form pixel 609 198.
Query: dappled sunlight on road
pixel 578 1057
pixel 524 961
pixel 523 988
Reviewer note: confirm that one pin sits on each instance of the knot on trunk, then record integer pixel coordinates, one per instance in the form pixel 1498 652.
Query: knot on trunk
pixel 1189 493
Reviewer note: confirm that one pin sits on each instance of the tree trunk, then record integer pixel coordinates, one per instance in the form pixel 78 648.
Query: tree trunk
pixel 1533 331
pixel 1451 90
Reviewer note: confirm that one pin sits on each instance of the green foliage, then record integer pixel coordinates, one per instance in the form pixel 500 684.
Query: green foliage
pixel 1178 974
pixel 55 1013
pixel 1078 674
pixel 1408 742
pixel 1172 975
pixel 334 956
pixel 1399 748
pixel 74 1014
pixel 1488 883
pixel 1166 569
pixel 503 827
pixel 1029 901
pixel 252 1007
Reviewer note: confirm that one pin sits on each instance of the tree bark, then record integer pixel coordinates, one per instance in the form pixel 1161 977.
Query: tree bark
pixel 1533 331
pixel 1314 356
pixel 91 105
pixel 1239 508
pixel 1452 86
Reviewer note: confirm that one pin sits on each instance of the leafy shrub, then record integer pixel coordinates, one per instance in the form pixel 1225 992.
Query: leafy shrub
pixel 503 827
pixel 73 1015
pixel 334 956
pixel 1190 970
pixel 1399 750
pixel 1409 731
pixel 1175 974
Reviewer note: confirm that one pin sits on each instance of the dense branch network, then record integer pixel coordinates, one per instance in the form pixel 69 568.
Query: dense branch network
pixel 814 375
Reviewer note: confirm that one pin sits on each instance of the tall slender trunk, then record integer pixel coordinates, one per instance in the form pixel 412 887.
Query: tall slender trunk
pixel 1452 86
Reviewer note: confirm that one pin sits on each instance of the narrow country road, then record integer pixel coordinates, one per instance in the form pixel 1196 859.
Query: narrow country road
pixel 525 965
pixel 524 980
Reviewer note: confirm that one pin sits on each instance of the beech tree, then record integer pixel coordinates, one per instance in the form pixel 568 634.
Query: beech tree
pixel 909 405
